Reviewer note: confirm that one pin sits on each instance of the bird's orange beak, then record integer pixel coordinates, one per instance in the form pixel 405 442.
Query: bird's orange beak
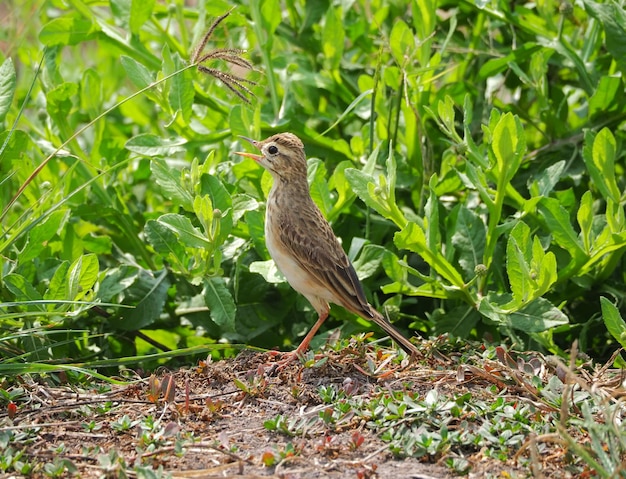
pixel 250 155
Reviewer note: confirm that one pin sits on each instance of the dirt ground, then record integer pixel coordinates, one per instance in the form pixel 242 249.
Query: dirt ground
pixel 210 421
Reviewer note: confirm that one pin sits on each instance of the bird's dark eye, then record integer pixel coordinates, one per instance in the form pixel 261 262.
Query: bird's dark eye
pixel 272 150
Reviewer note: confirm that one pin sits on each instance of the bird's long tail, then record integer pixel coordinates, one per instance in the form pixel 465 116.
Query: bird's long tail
pixel 396 335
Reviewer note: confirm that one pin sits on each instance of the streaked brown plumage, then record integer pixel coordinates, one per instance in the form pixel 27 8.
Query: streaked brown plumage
pixel 303 244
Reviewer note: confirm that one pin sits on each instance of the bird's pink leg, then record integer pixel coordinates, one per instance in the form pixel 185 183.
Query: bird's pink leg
pixel 304 345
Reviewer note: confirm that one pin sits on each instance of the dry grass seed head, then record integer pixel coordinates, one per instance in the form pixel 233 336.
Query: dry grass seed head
pixel 233 82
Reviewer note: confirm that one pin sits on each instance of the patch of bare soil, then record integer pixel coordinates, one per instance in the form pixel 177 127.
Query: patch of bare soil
pixel 210 421
pixel 226 421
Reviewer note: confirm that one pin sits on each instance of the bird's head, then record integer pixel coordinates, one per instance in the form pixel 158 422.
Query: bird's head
pixel 282 155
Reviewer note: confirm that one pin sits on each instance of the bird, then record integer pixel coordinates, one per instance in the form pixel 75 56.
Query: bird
pixel 303 245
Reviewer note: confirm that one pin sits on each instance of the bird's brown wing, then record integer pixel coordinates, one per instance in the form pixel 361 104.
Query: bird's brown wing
pixel 312 242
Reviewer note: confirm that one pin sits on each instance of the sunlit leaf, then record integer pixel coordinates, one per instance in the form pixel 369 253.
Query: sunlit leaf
pixel 140 12
pixel 7 87
pixel 152 145
pixel 585 219
pixel 509 146
pixel 81 276
pixel 20 288
pixel 187 233
pixel 67 30
pixel 41 233
pixel 139 74
pixel 169 180
pixel 613 321
pixel 558 222
pixel 468 240
pixel 333 36
pixel 268 270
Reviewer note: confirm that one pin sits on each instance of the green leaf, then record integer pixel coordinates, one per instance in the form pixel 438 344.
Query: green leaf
pixel 608 97
pixel 97 244
pixel 170 182
pixel 333 38
pixel 476 178
pixel 181 91
pixel 519 55
pixel 82 275
pixel 7 87
pixel 412 238
pixel 368 262
pixel 517 267
pixel 151 145
pixel 544 182
pixel 218 222
pixel 604 150
pixel 121 11
pixel 60 101
pixel 140 12
pixel 256 228
pixel 220 302
pixel 91 92
pixel 268 270
pixel 239 121
pixel 431 210
pixel 613 321
pixel 401 41
pixel 18 144
pixel 459 321
pixel 212 186
pixel 67 30
pixel 345 194
pixel 469 240
pixel 57 289
pixel 360 181
pixel 543 272
pixel 381 196
pixel 537 316
pixel 508 145
pixel 558 223
pixel 269 10
pixel 424 17
pixel 203 208
pixel 115 281
pixel 41 233
pixel 139 74
pixel 446 118
pixel 585 220
pixel 242 203
pixel 20 288
pixel 345 113
pixel 599 156
pixel 151 293
pixel 163 240
pixel 613 19
pixel 187 234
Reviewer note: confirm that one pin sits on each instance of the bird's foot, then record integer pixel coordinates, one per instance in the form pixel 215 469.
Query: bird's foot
pixel 286 359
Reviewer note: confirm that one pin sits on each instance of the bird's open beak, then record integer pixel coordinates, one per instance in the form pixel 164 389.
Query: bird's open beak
pixel 249 155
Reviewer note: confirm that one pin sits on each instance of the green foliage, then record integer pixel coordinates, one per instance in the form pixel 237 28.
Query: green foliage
pixel 473 169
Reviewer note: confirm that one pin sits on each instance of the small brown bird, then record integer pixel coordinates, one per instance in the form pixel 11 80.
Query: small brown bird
pixel 302 243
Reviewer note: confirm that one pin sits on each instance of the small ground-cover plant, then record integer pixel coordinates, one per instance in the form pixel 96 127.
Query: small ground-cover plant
pixel 515 406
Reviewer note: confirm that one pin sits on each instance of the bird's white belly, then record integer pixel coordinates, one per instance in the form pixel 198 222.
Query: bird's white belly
pixel 299 278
